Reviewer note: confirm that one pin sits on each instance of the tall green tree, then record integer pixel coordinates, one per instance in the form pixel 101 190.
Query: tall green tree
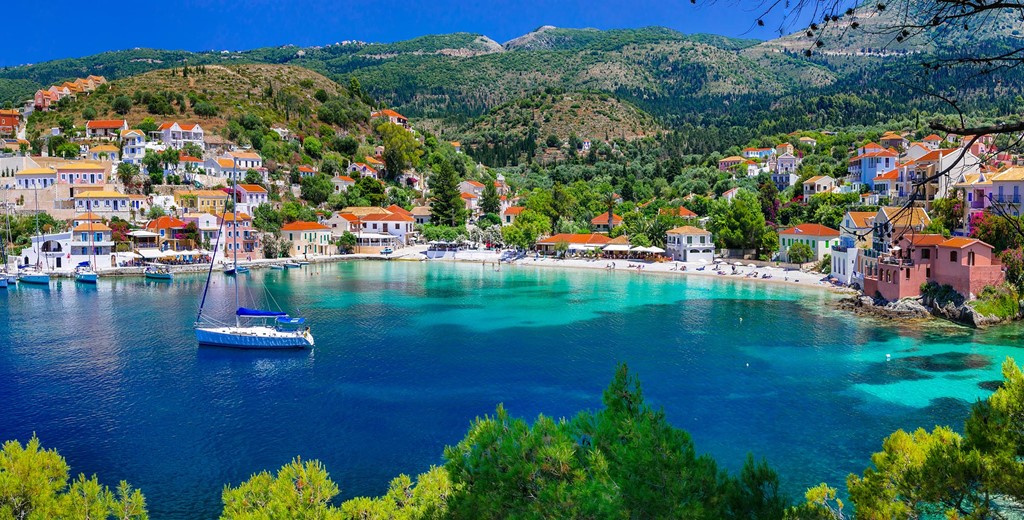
pixel 447 207
pixel 401 149
pixel 489 201
pixel 316 188
pixel 738 224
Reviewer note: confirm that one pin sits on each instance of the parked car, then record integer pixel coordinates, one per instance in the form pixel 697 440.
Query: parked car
pixel 386 251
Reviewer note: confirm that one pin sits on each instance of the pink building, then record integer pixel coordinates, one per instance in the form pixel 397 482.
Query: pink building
pixel 965 264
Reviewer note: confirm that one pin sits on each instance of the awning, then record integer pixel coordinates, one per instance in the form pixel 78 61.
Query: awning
pixel 375 236
pixel 577 247
pixel 616 247
pixel 242 311
pixel 150 254
pixel 128 255
pixel 141 233
pixel 655 249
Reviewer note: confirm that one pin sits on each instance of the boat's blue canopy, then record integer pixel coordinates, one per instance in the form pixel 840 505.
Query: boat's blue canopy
pixel 83 264
pixel 242 311
pixel 291 321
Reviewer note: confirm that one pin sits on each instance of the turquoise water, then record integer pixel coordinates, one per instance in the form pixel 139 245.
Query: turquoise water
pixel 408 353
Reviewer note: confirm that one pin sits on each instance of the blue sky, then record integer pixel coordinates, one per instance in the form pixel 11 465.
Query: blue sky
pixel 245 24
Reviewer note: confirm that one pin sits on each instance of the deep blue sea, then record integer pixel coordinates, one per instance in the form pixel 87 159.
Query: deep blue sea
pixel 408 354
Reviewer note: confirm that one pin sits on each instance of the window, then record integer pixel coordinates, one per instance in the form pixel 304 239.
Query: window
pixel 952 256
pixel 928 272
pixel 908 273
pixel 970 258
pixel 926 254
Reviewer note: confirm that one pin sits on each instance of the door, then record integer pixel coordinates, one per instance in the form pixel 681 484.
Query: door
pixel 58 262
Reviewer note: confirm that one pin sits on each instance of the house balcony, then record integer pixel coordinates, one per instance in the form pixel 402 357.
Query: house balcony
pixel 1006 199
pixel 92 243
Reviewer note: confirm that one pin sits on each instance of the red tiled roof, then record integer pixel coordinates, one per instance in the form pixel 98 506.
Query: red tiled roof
pixel 345 178
pixel 888 176
pixel 925 240
pixel 592 238
pixel 252 188
pixel 307 169
pixel 388 217
pixel 932 137
pixel 678 212
pixel 395 208
pixel 304 226
pixel 602 219
pixel 165 223
pixel 106 124
pixel 961 242
pixel 815 230
pixel 468 196
pixel 475 184
pixel 516 210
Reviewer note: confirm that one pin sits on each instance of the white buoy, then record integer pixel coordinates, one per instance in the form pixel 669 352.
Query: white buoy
pixel 748 365
pixel 888 357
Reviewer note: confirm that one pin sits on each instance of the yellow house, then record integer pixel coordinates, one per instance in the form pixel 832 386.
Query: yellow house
pixel 204 201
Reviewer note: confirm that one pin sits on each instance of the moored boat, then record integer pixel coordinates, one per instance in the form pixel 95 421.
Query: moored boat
pixel 231 271
pixel 292 265
pixel 159 272
pixel 276 267
pixel 34 277
pixel 85 274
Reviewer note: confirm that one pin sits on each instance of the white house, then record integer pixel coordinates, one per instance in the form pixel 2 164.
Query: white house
pixel 109 203
pixel 787 163
pixel 855 234
pixel 34 178
pixel 244 161
pixel 508 217
pixel 730 194
pixel 818 184
pixel 64 251
pixel 474 187
pixel 758 153
pixel 249 196
pixel 104 152
pixel 396 224
pixel 105 128
pixel 308 238
pixel 690 244
pixel 133 146
pixel 819 238
pixel 92 242
pixel 82 172
pixel 342 183
pixel 177 134
pixel 363 170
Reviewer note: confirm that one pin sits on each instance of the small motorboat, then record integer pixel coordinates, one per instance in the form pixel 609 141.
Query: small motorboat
pixel 292 265
pixel 231 271
pixel 277 267
pixel 159 272
pixel 303 263
pixel 34 277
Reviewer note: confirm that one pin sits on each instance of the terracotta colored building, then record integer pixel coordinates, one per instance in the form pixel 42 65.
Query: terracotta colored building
pixel 965 264
pixel 9 122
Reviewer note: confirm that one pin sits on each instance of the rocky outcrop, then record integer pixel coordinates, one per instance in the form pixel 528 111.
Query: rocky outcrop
pixel 956 310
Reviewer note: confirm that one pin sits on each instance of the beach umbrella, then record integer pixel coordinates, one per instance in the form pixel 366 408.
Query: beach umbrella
pixel 655 249
pixel 738 263
pixel 751 265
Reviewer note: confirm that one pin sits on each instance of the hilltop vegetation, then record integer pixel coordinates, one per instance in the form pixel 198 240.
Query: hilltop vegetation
pixel 210 95
pixel 552 124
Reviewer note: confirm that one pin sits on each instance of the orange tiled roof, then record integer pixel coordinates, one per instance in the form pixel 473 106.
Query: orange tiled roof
pixel 304 226
pixel 688 230
pixel 252 188
pixel 602 219
pixel 106 124
pixel 514 210
pixel 591 238
pixel 816 230
pixel 961 242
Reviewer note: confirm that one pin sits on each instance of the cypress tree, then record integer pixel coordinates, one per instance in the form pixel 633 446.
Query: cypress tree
pixel 447 208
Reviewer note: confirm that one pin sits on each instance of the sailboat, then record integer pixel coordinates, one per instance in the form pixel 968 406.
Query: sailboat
pixel 5 279
pixel 262 329
pixel 35 275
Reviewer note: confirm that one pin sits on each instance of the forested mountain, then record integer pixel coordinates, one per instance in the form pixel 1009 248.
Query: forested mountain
pixel 739 87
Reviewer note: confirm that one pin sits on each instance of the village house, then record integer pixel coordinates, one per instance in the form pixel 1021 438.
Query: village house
pixel 932 141
pixel 855 234
pixel 307 238
pixel 10 121
pixel 997 192
pixel 363 170
pixel 893 140
pixel 758 153
pixel 421 214
pixel 35 178
pixel 956 162
pixel 207 224
pixel 245 161
pixel 206 201
pixel 105 128
pixel 678 211
pixel 340 223
pixel 397 224
pixel 730 194
pixel 104 152
pixel 472 202
pixel 600 222
pixel 239 236
pixel 306 171
pixel 818 184
pixel 887 185
pixel 871 161
pixel 819 238
pixel 188 164
pixel 690 244
pixel 784 148
pixel 729 162
pixel 787 163
pixel 808 141
pixel 94 243
pixel 474 187
pixel 175 135
pixel 248 196
pixel 508 217
pixel 83 172
pixel 965 264
pixel 169 233
pixel 133 146
pixel 108 203
pixel 342 182
pixel 391 116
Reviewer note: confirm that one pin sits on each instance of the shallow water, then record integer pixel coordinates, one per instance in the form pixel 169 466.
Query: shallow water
pixel 408 353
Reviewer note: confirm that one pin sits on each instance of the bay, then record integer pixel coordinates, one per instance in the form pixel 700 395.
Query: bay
pixel 408 354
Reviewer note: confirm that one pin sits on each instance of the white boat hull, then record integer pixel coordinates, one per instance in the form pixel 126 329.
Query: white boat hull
pixel 3 282
pixel 253 338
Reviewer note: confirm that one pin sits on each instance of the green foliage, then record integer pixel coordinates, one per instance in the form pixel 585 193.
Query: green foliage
pixel 347 242
pixel 265 218
pixel 489 200
pixel 316 188
pixel 34 484
pixel 800 253
pixel 299 490
pixel 447 207
pixel 738 224
pixel 526 229
pixel 1002 302
pixel 89 113
pixel 312 146
pixel 426 500
pixel 401 149
pixel 1001 232
pixel 1013 262
pixel 293 211
pixel 442 233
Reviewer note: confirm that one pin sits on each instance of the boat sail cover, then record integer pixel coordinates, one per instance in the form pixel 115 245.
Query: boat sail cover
pixel 242 311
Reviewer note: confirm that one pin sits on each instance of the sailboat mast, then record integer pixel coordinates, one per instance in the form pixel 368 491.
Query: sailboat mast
pixel 35 243
pixel 234 237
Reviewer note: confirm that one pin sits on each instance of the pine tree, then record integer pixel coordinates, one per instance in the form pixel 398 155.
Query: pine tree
pixel 490 203
pixel 447 208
